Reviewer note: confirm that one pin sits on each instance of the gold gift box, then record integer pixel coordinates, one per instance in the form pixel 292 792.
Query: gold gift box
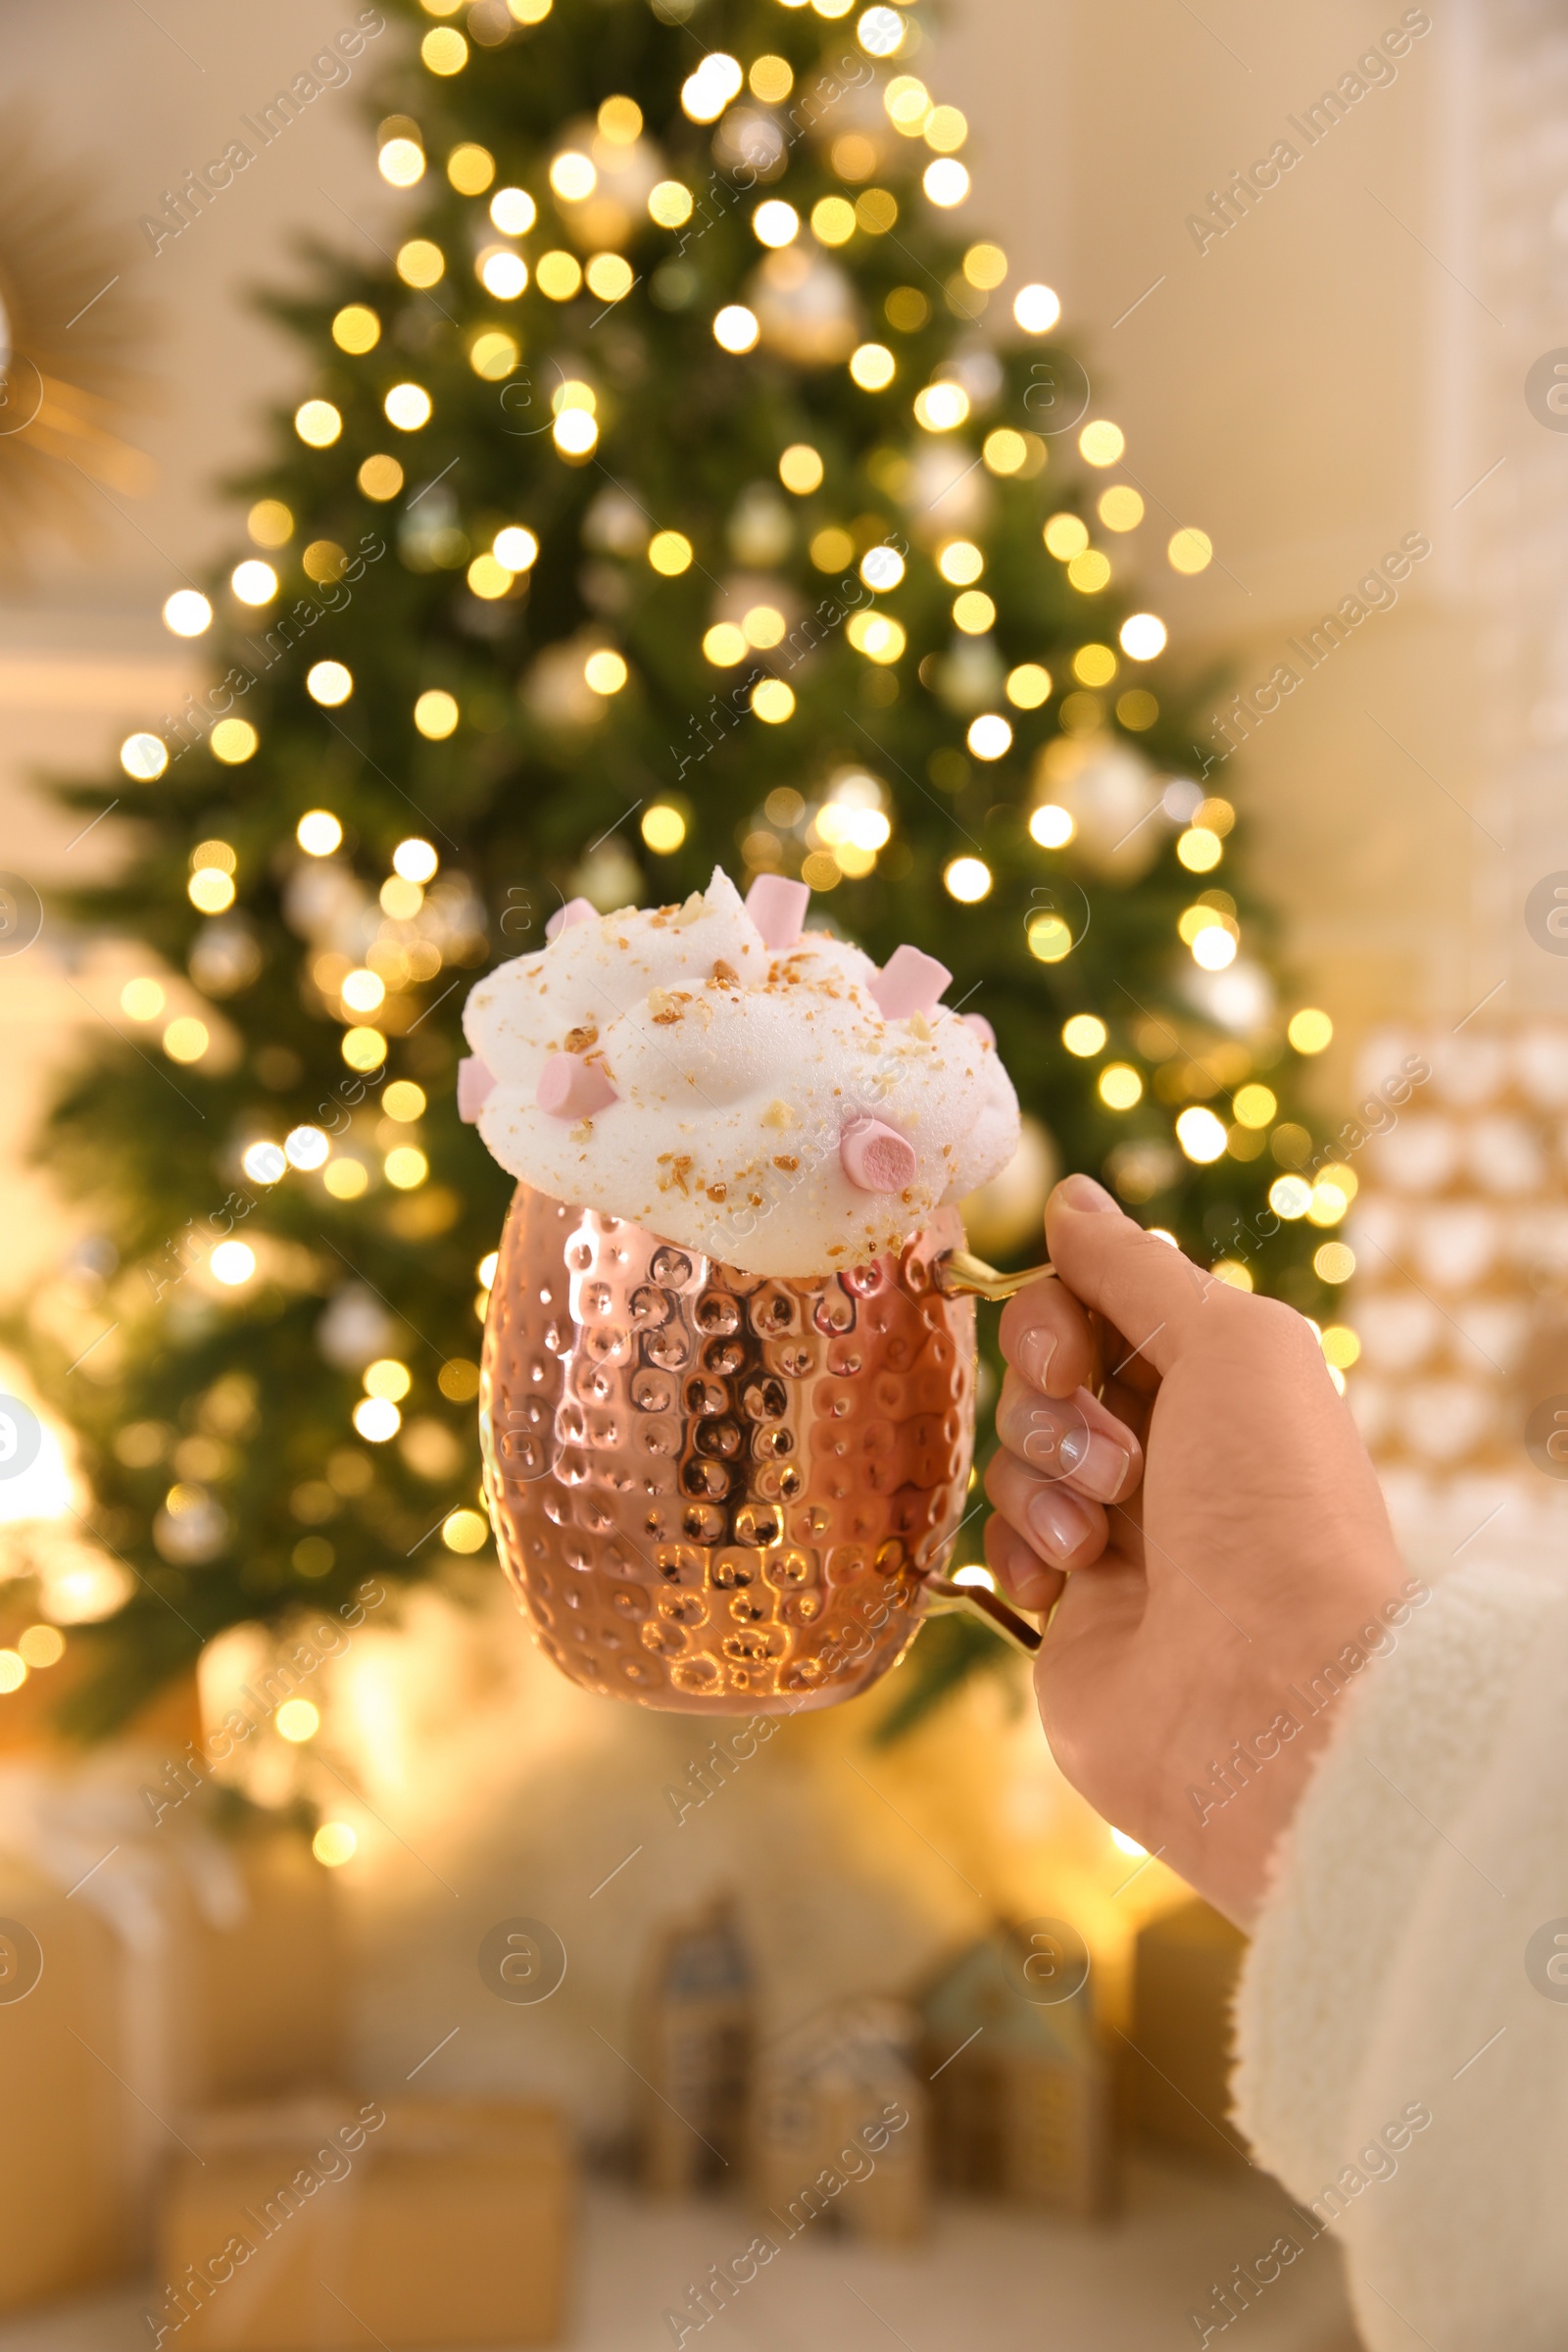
pixel 261 1998
pixel 67 2204
pixel 121 2032
pixel 1185 1969
pixel 329 2222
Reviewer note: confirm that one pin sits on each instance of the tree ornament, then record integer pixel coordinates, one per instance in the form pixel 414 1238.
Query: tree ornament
pixel 806 308
pixel 1006 1215
pixel 1114 798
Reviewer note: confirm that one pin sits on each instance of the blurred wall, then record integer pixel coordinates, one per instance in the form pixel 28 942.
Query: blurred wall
pixel 1307 386
pixel 128 100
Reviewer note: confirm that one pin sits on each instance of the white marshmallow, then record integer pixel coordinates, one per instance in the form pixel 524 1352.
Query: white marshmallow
pixel 736 1070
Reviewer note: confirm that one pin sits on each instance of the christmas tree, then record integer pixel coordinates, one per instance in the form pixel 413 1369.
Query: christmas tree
pixel 692 484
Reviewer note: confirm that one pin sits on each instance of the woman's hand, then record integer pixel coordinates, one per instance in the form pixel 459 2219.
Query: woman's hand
pixel 1205 1624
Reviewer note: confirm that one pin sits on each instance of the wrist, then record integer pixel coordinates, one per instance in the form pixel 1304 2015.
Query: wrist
pixel 1223 1828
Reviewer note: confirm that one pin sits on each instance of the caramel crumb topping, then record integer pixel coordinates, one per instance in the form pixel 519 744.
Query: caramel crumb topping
pixel 579 1041
pixel 788 1161
pixel 718 1192
pixel 779 1115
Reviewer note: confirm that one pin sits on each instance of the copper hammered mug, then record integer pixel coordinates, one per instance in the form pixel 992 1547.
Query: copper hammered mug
pixel 723 1492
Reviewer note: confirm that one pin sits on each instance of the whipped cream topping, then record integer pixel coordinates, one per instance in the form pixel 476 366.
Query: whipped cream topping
pixel 759 1093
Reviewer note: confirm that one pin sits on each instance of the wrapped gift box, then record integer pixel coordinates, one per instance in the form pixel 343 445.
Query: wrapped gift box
pixel 1184 1980
pixel 337 2222
pixel 67 2206
pixel 260 1996
pixel 179 1968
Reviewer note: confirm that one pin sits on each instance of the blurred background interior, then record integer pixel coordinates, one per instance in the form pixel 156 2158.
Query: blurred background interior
pixel 763 1932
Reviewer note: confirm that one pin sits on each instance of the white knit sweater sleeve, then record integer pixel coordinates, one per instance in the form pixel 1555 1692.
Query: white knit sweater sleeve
pixel 1406 1967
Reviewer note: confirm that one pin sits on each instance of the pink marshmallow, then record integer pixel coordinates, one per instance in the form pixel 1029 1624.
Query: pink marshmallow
pixel 777 906
pixel 876 1157
pixel 476 1082
pixel 567 917
pixel 570 1088
pixel 980 1025
pixel 909 982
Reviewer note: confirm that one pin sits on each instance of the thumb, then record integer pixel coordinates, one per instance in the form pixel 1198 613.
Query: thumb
pixel 1149 1291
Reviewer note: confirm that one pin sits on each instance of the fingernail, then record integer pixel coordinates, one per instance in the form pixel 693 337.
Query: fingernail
pixel 1024 1576
pixel 1094 1462
pixel 1041 1445
pixel 1036 1348
pixel 1083 1193
pixel 1058 1522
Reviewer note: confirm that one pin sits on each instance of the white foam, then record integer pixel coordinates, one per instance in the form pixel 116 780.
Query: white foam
pixel 736 1069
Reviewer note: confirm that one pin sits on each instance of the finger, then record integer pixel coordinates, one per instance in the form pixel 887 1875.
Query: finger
pixel 1147 1289
pixel 1134 1408
pixel 1020 1573
pixel 1074 1439
pixel 1045 1332
pixel 1067 1530
pixel 1121 1361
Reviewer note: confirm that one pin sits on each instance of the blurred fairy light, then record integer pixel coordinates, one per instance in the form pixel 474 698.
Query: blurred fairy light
pixel 319 833
pixel 775 223
pixel 45 1488
pixel 401 163
pixel 306 1147
pixel 514 211
pixel 736 328
pixel 880 32
pixel 254 582
pixel 1201 1134
pixel 142 999
pixel 187 613
pixel 946 181
pixel 143 757
pixel 1037 309
pixel 706 93
pixel 572 176
pixel 416 860
pixel 1101 443
pixel 501 273
pixel 966 879
pixel 317 423
pixel 232 1263
pixel 942 407
pixel 297 1720
pixel 1143 636
pixel 1309 1030
pixel 976 1576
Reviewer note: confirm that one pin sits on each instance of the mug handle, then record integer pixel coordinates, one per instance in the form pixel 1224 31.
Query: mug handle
pixel 961 1275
